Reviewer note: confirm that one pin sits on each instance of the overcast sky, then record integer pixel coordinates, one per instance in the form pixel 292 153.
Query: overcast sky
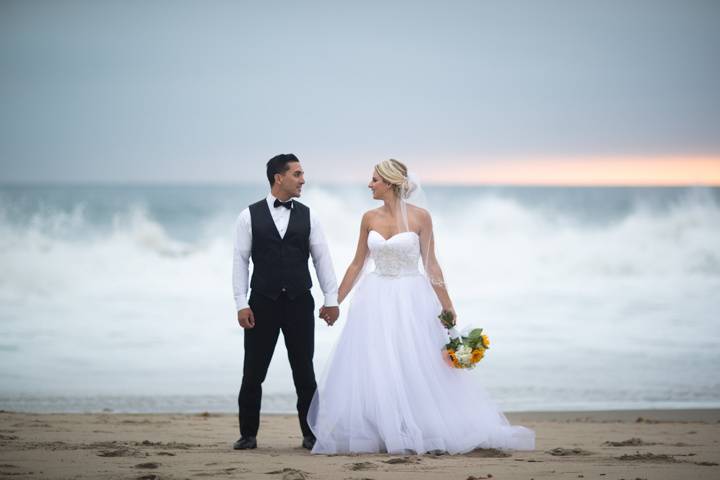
pixel 208 91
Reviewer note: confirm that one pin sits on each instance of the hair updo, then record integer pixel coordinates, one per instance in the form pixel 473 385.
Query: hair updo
pixel 395 173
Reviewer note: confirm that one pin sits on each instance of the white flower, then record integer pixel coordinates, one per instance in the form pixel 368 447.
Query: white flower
pixel 464 354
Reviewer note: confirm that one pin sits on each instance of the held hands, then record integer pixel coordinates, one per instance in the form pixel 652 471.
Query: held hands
pixel 329 314
pixel 246 319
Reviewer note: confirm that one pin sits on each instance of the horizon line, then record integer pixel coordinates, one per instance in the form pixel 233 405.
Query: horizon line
pixel 345 183
pixel 469 170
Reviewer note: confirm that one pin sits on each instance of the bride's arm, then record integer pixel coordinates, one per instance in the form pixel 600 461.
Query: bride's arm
pixel 358 262
pixel 430 262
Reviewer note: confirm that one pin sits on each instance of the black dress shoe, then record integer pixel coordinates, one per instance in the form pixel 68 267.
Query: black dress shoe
pixel 308 442
pixel 245 443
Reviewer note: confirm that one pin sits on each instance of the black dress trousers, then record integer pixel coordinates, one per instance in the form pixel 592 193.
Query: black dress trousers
pixel 295 318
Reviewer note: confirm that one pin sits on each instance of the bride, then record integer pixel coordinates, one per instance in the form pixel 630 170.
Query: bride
pixel 386 387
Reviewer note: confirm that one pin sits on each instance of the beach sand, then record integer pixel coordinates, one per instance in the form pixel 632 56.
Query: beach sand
pixel 650 444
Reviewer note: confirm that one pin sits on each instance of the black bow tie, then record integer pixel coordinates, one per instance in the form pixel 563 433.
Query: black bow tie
pixel 287 204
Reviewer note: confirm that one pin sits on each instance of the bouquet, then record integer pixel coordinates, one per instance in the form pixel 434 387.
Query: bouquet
pixel 463 351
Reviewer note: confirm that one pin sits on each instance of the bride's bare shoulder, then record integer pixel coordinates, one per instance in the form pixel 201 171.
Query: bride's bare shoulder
pixel 370 215
pixel 419 213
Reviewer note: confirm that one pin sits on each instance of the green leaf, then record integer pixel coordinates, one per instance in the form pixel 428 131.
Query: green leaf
pixel 475 333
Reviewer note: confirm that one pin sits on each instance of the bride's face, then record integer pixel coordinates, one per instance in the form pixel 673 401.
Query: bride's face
pixel 378 186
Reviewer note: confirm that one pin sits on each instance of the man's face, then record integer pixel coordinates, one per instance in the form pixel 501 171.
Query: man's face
pixel 291 182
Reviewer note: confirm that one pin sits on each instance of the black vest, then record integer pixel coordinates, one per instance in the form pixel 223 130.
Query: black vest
pixel 280 264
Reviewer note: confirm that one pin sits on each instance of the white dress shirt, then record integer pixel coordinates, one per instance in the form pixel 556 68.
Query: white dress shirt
pixel 319 252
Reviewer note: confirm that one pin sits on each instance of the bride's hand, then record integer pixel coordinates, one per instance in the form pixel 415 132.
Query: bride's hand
pixel 443 318
pixel 452 312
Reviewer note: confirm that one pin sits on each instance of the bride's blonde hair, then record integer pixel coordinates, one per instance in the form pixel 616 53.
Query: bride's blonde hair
pixel 395 173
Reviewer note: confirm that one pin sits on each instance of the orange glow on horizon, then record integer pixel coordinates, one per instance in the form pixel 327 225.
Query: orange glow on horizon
pixel 615 171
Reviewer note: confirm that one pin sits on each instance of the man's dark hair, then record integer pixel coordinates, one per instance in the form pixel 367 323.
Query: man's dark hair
pixel 279 164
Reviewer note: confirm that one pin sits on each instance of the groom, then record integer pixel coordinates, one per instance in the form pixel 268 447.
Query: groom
pixel 279 234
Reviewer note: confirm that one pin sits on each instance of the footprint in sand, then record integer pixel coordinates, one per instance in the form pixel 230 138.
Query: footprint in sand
pixel 290 474
pixel 12 470
pixel 562 452
pixel 120 452
pixel 648 457
pixel 148 465
pixel 170 445
pixel 362 466
pixel 488 453
pixel 630 442
pixel 294 476
pixel 402 460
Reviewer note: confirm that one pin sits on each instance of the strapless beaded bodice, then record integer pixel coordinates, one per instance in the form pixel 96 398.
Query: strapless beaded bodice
pixel 396 256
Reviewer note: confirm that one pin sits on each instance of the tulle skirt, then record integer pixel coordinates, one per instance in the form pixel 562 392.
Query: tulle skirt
pixel 386 387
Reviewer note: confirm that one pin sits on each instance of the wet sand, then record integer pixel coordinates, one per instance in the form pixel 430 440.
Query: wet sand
pixel 630 445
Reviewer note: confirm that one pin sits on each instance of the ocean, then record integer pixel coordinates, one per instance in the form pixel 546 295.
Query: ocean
pixel 119 298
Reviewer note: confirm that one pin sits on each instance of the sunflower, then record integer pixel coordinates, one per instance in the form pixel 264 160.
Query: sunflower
pixel 477 355
pixel 450 358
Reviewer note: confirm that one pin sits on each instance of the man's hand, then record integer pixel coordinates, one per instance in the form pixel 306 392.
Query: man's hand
pixel 246 319
pixel 329 314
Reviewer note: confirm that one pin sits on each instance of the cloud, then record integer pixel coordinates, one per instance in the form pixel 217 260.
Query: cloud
pixel 173 91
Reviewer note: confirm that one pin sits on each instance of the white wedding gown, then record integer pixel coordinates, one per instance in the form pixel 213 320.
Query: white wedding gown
pixel 386 387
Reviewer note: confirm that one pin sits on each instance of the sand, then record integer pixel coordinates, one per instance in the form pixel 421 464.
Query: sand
pixel 648 444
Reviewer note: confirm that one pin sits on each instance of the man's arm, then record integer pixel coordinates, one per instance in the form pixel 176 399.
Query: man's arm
pixel 241 263
pixel 322 261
